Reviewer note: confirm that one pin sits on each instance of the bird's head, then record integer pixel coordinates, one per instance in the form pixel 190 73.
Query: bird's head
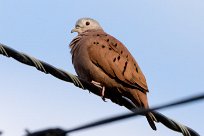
pixel 85 24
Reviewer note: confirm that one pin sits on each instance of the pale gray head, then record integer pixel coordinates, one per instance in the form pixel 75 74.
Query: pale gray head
pixel 84 24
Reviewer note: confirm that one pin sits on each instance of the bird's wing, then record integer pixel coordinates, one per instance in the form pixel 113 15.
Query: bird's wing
pixel 114 59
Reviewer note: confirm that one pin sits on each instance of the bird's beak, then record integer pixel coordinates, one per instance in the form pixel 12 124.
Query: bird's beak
pixel 74 30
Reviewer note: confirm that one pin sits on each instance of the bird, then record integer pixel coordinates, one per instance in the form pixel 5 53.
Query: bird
pixel 104 61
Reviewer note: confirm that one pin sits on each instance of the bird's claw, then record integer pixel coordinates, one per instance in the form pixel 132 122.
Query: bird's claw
pixel 103 94
pixel 102 89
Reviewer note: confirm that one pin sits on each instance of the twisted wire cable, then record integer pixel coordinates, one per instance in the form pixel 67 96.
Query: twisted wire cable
pixel 78 82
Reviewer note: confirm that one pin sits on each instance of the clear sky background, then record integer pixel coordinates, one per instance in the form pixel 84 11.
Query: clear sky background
pixel 165 37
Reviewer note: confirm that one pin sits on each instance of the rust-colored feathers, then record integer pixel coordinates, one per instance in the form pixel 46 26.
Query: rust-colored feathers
pixel 98 56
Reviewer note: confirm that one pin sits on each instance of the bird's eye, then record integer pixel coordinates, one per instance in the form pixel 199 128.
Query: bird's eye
pixel 87 23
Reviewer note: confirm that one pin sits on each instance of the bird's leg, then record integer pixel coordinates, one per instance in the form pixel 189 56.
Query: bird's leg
pixel 102 89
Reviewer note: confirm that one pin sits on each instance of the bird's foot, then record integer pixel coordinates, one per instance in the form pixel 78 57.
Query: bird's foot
pixel 102 89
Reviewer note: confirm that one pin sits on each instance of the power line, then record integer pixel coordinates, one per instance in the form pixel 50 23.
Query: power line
pixel 68 77
pixel 61 132
pixel 142 111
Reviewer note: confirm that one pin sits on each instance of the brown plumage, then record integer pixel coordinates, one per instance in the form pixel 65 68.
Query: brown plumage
pixel 98 56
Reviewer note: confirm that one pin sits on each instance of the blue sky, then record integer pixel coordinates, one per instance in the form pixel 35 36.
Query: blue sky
pixel 165 37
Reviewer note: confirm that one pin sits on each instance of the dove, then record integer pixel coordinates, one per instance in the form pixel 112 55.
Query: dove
pixel 103 60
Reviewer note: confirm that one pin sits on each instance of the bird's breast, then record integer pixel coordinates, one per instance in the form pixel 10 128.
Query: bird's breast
pixel 85 68
pixel 81 62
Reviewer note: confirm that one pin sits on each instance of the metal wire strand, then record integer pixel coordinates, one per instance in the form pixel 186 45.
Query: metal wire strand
pixel 3 51
pixel 185 130
pixel 65 76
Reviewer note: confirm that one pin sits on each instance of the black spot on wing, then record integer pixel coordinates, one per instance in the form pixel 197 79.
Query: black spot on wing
pixel 124 69
pixel 137 70
pixel 114 59
pixel 118 58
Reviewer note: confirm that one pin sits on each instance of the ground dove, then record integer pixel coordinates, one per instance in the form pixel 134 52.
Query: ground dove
pixel 104 61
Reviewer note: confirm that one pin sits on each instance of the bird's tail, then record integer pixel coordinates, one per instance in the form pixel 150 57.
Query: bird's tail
pixel 151 119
